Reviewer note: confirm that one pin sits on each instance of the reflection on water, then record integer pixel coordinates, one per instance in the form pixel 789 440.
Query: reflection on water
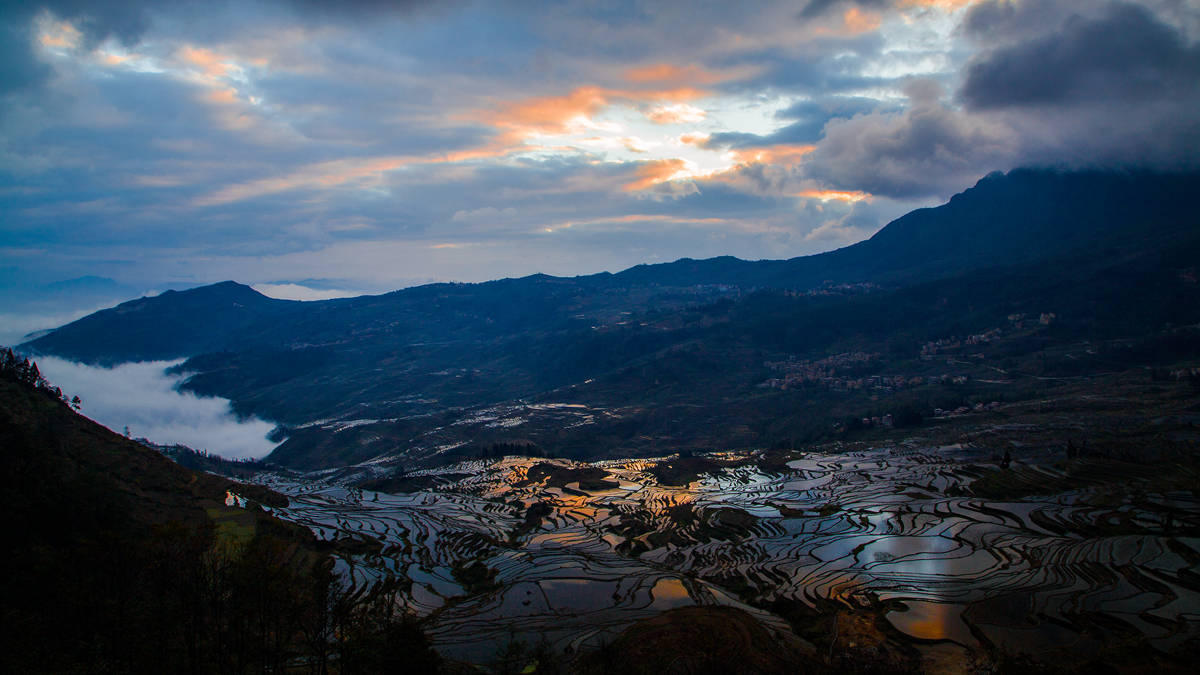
pixel 861 528
pixel 932 621
pixel 670 593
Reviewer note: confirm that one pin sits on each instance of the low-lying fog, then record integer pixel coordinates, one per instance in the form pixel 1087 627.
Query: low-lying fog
pixel 143 397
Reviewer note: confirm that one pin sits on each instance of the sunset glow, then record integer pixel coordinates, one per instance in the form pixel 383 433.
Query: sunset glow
pixel 283 123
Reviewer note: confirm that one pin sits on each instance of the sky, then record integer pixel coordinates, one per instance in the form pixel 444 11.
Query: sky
pixel 325 149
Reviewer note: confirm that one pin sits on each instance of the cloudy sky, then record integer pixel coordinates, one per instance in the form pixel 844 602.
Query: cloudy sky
pixel 314 150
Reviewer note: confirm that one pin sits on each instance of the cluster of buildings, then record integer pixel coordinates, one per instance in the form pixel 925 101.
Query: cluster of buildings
pixel 1020 321
pixel 825 372
pixel 822 371
pixel 861 288
pixel 930 349
pixel 962 410
pixel 1017 321
pixel 878 421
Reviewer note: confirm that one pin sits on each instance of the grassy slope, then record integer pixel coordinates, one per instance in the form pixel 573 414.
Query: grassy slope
pixel 108 538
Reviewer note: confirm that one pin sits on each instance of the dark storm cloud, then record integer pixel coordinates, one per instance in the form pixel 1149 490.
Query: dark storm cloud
pixel 1000 21
pixel 929 149
pixel 1125 55
pixel 809 119
pixel 827 108
pixel 19 67
pixel 822 64
pixel 1055 83
pixel 122 19
pixel 1099 85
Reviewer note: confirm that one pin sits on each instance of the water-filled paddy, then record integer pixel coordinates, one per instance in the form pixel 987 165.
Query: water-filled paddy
pixel 898 530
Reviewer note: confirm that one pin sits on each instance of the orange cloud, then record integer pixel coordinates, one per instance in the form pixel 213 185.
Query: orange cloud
pixel 858 21
pixel 484 152
pixel 550 115
pixel 320 175
pixel 331 174
pixel 226 96
pixel 665 73
pixel 111 59
pixel 675 113
pixel 654 172
pixel 836 195
pixel 783 155
pixel 664 170
pixel 690 75
pixel 517 123
pixel 696 138
pixel 59 35
pixel 208 62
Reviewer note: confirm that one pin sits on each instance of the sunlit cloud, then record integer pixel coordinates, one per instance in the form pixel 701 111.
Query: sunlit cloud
pixel 849 196
pixel 322 175
pixel 784 154
pixel 673 75
pixel 56 34
pixel 572 112
pixel 860 21
pixel 658 171
pixel 338 145
pixel 542 120
pixel 206 61
pixel 675 113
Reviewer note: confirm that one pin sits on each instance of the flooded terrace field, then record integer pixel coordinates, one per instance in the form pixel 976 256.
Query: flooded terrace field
pixel 572 554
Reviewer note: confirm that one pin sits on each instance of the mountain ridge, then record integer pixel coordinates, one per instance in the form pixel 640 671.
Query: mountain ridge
pixel 170 325
pixel 663 356
pixel 970 231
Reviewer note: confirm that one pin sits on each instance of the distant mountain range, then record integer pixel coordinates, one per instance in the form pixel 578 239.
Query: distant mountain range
pixel 684 354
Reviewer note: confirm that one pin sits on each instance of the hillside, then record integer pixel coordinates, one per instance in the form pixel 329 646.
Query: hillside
pixel 1011 219
pixel 120 560
pixel 166 326
pixel 663 356
pixel 1021 217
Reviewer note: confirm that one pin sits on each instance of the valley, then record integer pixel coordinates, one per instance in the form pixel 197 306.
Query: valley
pixel 975 540
pixel 634 337
pixel 967 444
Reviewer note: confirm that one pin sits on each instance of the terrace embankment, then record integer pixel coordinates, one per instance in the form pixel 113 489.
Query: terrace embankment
pixel 1032 536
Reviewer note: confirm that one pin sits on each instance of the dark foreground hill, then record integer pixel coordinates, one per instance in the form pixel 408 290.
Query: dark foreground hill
pixel 119 560
pixel 1026 277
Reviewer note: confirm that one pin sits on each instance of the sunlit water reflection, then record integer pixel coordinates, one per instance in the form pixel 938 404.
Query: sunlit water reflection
pixel 861 529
